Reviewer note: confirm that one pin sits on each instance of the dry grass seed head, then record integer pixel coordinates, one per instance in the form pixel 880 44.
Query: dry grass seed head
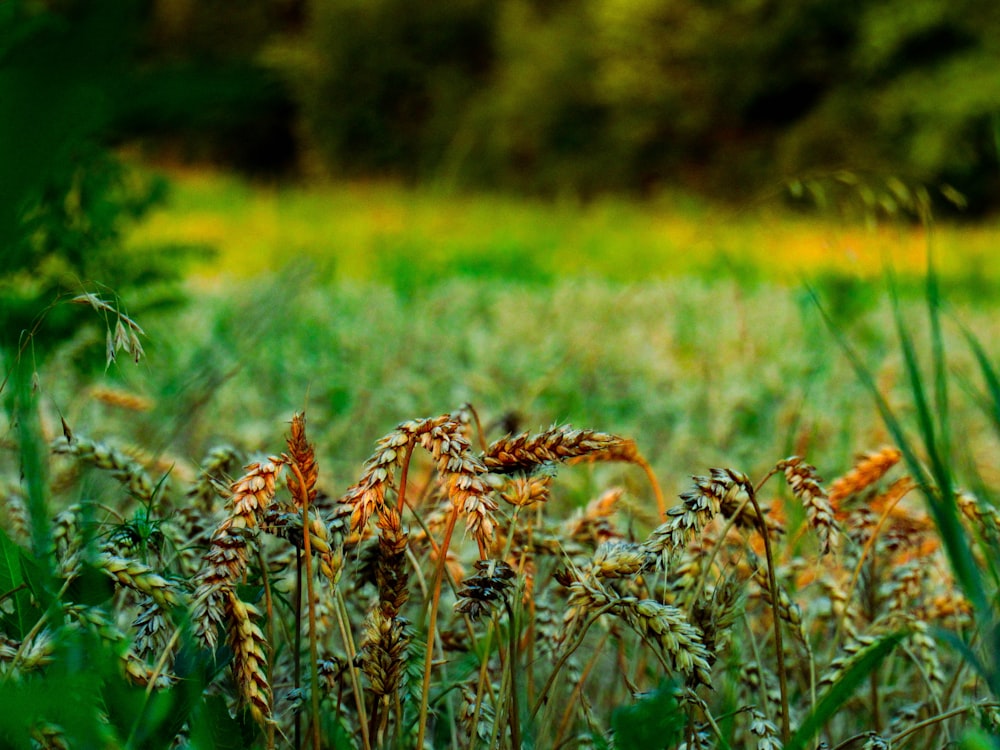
pixel 805 484
pixel 525 453
pixel 249 656
pixel 303 457
pixel 698 506
pixel 110 459
pixel 869 468
pixel 120 399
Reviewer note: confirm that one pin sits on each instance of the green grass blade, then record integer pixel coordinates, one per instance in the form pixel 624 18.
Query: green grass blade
pixel 842 690
pixel 991 405
pixel 942 504
pixel 925 421
pixel 939 359
pixel 885 411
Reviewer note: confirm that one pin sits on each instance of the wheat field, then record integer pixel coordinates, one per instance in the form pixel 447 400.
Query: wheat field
pixel 662 514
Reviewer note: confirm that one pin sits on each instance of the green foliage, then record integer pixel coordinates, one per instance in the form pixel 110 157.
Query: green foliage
pixel 839 693
pixel 65 200
pixel 383 83
pixel 595 95
pixel 22 612
pixel 654 721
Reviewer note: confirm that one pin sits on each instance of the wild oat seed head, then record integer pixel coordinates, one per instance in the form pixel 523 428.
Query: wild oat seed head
pixel 480 592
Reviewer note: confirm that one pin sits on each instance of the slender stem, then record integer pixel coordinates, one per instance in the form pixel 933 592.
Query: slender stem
pixel 297 663
pixel 779 648
pixel 479 427
pixel 311 606
pixel 897 740
pixel 661 503
pixel 481 685
pixel 706 566
pixel 543 696
pixel 432 624
pixel 343 623
pixel 863 557
pixel 578 689
pixel 512 667
pixel 269 630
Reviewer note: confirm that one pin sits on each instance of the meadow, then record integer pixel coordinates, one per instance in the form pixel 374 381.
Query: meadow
pixel 562 471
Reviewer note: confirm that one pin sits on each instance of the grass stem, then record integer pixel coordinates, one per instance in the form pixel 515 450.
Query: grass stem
pixel 432 624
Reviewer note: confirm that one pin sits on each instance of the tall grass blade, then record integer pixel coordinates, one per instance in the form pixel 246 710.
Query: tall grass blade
pixel 938 486
pixel 991 405
pixel 842 690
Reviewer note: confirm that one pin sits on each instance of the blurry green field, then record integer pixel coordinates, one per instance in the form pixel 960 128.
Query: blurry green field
pixel 687 329
pixel 386 232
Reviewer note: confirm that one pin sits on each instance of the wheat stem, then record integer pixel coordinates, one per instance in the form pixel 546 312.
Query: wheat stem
pixel 432 624
pixel 568 651
pixel 661 503
pixel 779 648
pixel 401 501
pixel 269 629
pixel 869 546
pixel 343 623
pixel 578 688
pixel 898 739
pixel 311 604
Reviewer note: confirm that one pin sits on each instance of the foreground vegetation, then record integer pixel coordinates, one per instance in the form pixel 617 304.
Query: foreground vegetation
pixel 466 585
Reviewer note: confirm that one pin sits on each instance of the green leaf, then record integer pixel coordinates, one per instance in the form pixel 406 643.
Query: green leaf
pixel 25 613
pixel 655 721
pixel 977 739
pixel 212 728
pixel 842 690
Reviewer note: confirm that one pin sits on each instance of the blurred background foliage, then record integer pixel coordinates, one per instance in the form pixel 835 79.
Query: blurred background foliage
pixel 733 100
pixel 730 98
pixel 549 96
